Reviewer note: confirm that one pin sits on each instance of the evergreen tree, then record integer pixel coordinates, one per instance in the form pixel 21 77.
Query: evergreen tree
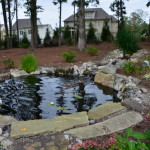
pixel 91 37
pixel 39 39
pixel 67 33
pixel 118 6
pixel 106 34
pixel 25 39
pixel 148 4
pixel 47 36
pixel 15 42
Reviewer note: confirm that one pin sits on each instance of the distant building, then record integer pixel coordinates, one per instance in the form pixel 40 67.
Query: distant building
pixel 25 26
pixel 2 32
pixel 96 16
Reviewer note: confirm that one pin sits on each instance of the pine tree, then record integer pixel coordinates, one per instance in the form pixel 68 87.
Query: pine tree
pixel 67 33
pixel 25 39
pixel 91 37
pixel 47 36
pixel 106 34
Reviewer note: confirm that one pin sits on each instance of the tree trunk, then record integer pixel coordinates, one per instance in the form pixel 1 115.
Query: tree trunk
pixel 16 3
pixel 81 19
pixel 5 21
pixel 10 25
pixel 34 29
pixel 60 7
pixel 74 24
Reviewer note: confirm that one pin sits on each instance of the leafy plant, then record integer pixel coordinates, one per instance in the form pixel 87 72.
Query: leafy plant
pixel 92 50
pixel 130 67
pixel 70 41
pixel 124 143
pixel 23 45
pixel 9 63
pixel 126 41
pixel 29 63
pixel 47 36
pixel 25 41
pixel 69 56
pixel 51 104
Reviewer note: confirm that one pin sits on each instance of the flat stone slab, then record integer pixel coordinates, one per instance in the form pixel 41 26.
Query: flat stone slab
pixel 106 127
pixel 104 110
pixel 57 124
pixel 6 120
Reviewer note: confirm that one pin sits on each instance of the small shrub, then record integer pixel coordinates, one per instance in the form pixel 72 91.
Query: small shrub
pixel 70 41
pixel 126 41
pixel 9 63
pixel 69 56
pixel 130 67
pixel 92 50
pixel 23 45
pixel 29 63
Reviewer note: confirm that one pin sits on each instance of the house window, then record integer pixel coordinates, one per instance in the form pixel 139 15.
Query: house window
pixel 88 15
pixel 29 31
pixel 21 32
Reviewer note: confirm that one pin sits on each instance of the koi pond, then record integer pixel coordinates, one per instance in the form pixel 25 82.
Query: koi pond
pixel 41 97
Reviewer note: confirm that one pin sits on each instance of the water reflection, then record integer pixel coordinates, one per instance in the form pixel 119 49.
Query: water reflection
pixel 27 98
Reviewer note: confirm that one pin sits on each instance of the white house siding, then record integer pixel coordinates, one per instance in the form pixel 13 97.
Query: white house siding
pixel 41 32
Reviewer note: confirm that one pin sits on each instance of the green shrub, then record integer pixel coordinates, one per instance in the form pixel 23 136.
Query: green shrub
pixel 29 63
pixel 126 41
pixel 125 143
pixel 23 45
pixel 92 50
pixel 130 67
pixel 70 41
pixel 69 56
pixel 9 63
pixel 106 34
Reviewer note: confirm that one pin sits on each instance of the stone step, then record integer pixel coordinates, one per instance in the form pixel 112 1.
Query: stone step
pixel 106 127
pixel 104 110
pixel 57 124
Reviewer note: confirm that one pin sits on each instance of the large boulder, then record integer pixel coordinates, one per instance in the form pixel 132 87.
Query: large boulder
pixel 18 73
pixel 105 79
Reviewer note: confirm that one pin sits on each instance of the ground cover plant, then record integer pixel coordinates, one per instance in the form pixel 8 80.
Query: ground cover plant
pixel 29 63
pixel 9 63
pixel 92 50
pixel 69 56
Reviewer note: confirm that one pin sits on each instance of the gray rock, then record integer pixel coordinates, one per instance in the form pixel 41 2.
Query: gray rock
pixel 37 72
pixel 18 73
pixel 91 121
pixel 1 138
pixel 75 68
pixel 108 70
pixel 1 131
pixel 6 143
pixel 45 70
pixel 131 103
pixel 6 135
pixel 144 90
pixel 145 63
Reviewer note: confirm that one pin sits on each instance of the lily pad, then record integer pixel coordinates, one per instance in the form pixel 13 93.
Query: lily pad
pixel 62 108
pixel 77 96
pixel 51 104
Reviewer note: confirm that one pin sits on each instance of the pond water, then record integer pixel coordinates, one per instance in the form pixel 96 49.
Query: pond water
pixel 36 97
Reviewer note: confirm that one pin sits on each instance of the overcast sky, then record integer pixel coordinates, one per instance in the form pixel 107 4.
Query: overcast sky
pixel 50 14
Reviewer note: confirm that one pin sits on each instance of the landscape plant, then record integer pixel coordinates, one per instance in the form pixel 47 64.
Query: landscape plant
pixel 106 34
pixel 125 142
pixel 147 76
pixel 29 63
pixel 130 67
pixel 126 41
pixel 25 41
pixel 9 63
pixel 92 50
pixel 47 36
pixel 86 145
pixel 69 56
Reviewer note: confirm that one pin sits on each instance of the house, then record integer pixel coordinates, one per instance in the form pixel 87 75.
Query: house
pixel 24 25
pixel 96 16
pixel 2 32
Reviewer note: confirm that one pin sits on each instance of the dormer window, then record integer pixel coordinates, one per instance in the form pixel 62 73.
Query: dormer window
pixel 89 15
